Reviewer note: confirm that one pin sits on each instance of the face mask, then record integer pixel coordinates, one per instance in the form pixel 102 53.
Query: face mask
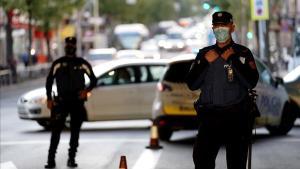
pixel 70 51
pixel 222 34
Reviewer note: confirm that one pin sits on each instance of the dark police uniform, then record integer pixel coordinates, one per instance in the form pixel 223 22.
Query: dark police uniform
pixel 223 104
pixel 69 75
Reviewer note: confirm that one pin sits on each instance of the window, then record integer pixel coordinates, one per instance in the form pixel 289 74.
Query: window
pixel 264 74
pixel 156 72
pixel 132 74
pixel 124 75
pixel 106 79
pixel 178 71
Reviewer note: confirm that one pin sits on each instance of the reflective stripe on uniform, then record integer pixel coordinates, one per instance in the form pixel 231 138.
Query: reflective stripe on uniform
pixel 55 68
pixel 86 69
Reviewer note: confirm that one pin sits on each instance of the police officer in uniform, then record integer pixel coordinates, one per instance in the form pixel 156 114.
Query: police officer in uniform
pixel 224 73
pixel 68 71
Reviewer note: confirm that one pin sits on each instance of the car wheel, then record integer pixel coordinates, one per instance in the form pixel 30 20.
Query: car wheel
pixel 45 124
pixel 164 133
pixel 288 118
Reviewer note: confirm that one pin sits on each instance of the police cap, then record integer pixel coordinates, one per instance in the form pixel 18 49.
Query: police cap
pixel 222 17
pixel 70 40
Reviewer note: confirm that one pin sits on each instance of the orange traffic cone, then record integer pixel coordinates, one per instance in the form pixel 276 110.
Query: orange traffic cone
pixel 154 140
pixel 123 164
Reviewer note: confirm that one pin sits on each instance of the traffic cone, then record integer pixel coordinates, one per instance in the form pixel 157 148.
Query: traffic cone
pixel 154 140
pixel 123 164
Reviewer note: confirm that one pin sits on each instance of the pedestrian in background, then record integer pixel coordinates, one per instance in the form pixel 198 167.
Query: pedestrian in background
pixel 224 73
pixel 68 71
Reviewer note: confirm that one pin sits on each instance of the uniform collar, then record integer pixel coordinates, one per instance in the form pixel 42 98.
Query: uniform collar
pixel 223 49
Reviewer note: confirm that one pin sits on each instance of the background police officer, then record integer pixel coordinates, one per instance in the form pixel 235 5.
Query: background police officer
pixel 224 72
pixel 68 71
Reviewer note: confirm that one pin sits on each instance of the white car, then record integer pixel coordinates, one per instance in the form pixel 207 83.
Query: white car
pixel 174 41
pixel 130 54
pixel 129 36
pixel 125 91
pixel 97 56
pixel 150 49
pixel 173 106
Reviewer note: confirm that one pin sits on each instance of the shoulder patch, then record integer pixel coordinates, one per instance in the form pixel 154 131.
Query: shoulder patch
pixel 242 59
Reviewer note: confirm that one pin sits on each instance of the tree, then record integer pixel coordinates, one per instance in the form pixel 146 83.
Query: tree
pixel 144 11
pixel 49 13
pixel 9 6
pixel 187 7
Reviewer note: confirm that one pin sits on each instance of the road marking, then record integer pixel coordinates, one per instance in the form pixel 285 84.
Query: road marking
pixel 148 159
pixel 8 165
pixel 290 140
pixel 66 141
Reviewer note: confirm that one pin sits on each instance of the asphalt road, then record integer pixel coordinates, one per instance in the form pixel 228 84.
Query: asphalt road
pixel 24 144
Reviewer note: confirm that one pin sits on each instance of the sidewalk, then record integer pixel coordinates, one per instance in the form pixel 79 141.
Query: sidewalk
pixel 24 73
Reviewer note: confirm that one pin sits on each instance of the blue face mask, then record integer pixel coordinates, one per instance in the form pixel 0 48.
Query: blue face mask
pixel 222 34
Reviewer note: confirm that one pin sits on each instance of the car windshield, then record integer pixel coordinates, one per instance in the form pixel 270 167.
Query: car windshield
pixel 178 71
pixel 130 40
pixel 100 57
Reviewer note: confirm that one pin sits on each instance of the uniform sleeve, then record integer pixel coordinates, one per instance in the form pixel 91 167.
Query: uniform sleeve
pixel 246 69
pixel 197 71
pixel 91 75
pixel 49 81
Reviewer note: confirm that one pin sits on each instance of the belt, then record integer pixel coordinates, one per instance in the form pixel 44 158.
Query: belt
pixel 221 108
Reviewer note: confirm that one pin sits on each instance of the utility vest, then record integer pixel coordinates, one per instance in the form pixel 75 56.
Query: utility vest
pixel 221 87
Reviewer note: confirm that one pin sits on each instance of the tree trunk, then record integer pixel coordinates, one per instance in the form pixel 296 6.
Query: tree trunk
pixel 29 36
pixel 50 59
pixel 11 63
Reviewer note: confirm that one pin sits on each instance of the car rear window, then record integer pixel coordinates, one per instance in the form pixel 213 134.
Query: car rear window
pixel 178 71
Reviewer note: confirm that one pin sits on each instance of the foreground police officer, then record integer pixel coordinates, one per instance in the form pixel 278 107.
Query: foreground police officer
pixel 224 72
pixel 68 71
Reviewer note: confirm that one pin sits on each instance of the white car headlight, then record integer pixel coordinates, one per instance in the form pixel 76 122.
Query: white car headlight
pixel 180 45
pixel 42 100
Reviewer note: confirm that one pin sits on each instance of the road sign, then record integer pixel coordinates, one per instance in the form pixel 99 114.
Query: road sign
pixel 259 9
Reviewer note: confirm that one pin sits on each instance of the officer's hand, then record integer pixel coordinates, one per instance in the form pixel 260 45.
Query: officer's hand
pixel 211 56
pixel 83 94
pixel 50 104
pixel 227 53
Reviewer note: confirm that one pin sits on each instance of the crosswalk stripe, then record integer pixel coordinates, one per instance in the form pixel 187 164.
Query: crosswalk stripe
pixel 148 159
pixel 8 165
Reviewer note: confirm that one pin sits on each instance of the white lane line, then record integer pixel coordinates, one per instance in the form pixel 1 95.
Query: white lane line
pixel 28 142
pixel 8 165
pixel 148 159
pixel 290 140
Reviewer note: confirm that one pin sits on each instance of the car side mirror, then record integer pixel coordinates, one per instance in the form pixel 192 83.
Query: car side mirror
pixel 278 81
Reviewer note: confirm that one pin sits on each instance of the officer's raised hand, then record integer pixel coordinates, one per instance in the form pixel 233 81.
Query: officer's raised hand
pixel 229 52
pixel 211 56
pixel 83 94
